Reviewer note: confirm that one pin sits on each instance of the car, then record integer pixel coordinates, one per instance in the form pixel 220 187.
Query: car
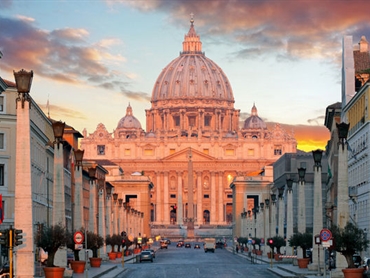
pixel 219 244
pixel 152 251
pixel 196 246
pixel 167 241
pixel 179 244
pixel 357 260
pixel 187 245
pixel 164 245
pixel 146 256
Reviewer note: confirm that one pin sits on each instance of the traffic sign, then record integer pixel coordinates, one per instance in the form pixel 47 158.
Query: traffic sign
pixel 325 235
pixel 78 237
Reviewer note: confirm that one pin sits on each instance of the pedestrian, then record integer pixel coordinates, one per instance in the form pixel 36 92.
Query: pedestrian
pixel 237 249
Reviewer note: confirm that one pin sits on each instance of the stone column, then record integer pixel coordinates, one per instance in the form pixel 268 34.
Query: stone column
pixel 92 216
pixel 267 226
pixel 23 216
pixel 281 214
pixel 158 209
pixel 59 209
pixel 220 198
pixel 301 207
pixel 273 217
pixel 179 211
pixel 289 222
pixel 213 199
pixel 78 219
pixel 166 203
pixel 101 229
pixel 199 199
pixel 108 212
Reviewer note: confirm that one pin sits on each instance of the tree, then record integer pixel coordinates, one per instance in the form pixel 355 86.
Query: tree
pixel 278 242
pixel 256 242
pixel 51 239
pixel 348 241
pixel 94 242
pixel 303 240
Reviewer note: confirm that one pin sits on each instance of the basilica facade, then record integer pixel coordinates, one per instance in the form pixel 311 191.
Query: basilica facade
pixel 193 147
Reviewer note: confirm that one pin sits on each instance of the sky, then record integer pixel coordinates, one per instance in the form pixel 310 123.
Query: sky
pixel 92 58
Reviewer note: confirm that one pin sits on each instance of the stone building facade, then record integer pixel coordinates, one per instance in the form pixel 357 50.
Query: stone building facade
pixel 193 147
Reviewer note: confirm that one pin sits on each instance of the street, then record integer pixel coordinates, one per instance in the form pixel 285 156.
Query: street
pixel 189 262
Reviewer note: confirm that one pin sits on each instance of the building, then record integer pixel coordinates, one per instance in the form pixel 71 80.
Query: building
pixel 193 147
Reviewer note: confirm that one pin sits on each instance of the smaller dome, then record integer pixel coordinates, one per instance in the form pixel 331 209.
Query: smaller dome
pixel 129 121
pixel 254 122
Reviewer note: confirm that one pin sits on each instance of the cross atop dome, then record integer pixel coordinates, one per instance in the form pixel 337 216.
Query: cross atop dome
pixel 192 43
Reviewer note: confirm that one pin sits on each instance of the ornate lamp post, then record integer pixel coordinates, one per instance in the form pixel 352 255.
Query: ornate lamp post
pixel 317 209
pixel 289 221
pixel 23 217
pixel 78 196
pixel 301 201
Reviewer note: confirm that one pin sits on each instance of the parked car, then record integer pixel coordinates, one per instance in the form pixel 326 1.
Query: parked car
pixel 152 251
pixel 167 241
pixel 178 244
pixel 219 244
pixel 181 242
pixel 164 245
pixel 188 245
pixel 196 246
pixel 146 256
pixel 357 260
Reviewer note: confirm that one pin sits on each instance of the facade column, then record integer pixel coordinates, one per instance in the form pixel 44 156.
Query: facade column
pixel 301 207
pixel 281 212
pixel 23 215
pixel 213 199
pixel 179 211
pixel 266 223
pixel 158 208
pixel 92 216
pixel 166 203
pixel 59 210
pixel 108 217
pixel 221 205
pixel 273 216
pixel 199 199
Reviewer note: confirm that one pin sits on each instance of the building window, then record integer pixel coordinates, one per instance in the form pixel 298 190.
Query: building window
pixel 206 151
pixel 176 120
pixel 2 143
pixel 192 121
pixel 277 150
pixel 127 152
pixel 230 196
pixel 250 152
pixel 207 120
pixel 229 152
pixel 172 151
pixel 2 166
pixel 206 196
pixel 1 104
pixel 101 149
pixel 148 152
pixel 173 196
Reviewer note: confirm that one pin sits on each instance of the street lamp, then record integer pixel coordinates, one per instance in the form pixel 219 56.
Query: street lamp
pixel 342 133
pixel 289 183
pixel 317 156
pixel 301 174
pixel 267 203
pixel 23 81
pixel 23 216
pixel 79 154
pixel 273 198
pixel 281 192
pixel 58 129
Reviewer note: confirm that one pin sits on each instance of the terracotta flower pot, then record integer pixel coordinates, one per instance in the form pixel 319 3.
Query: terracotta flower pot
pixel 78 266
pixel 119 254
pixel 95 262
pixel 127 253
pixel 303 262
pixel 54 272
pixel 277 257
pixel 112 255
pixel 353 272
pixel 270 255
pixel 259 252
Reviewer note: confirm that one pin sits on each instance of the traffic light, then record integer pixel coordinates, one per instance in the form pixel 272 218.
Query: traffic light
pixel 17 238
pixel 4 237
pixel 271 241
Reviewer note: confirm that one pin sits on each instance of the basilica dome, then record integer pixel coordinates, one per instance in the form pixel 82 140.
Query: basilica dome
pixel 192 76
pixel 254 121
pixel 129 121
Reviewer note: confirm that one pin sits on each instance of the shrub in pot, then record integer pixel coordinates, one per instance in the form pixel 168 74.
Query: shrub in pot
pixel 94 242
pixel 349 241
pixel 303 240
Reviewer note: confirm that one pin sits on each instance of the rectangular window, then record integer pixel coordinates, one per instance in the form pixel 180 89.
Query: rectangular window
pixel 101 149
pixel 192 121
pixel 206 196
pixel 250 152
pixel 2 166
pixel 1 104
pixel 173 196
pixel 172 151
pixel 127 152
pixel 176 120
pixel 2 143
pixel 206 151
pixel 230 196
pixel 148 152
pixel 207 120
pixel 229 152
pixel 277 150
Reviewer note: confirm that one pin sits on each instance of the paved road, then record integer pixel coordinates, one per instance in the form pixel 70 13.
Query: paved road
pixel 188 262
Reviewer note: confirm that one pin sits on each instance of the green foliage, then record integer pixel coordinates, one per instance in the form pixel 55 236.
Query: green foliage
pixel 94 242
pixel 349 241
pixel 257 242
pixel 51 239
pixel 113 240
pixel 303 240
pixel 278 242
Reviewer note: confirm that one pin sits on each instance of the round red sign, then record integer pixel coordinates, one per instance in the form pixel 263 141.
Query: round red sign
pixel 325 235
pixel 78 237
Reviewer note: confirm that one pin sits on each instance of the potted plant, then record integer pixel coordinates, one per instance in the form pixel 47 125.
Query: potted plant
pixel 256 242
pixel 109 240
pixel 303 240
pixel 278 242
pixel 348 241
pixel 117 239
pixel 51 239
pixel 76 265
pixel 270 243
pixel 94 242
